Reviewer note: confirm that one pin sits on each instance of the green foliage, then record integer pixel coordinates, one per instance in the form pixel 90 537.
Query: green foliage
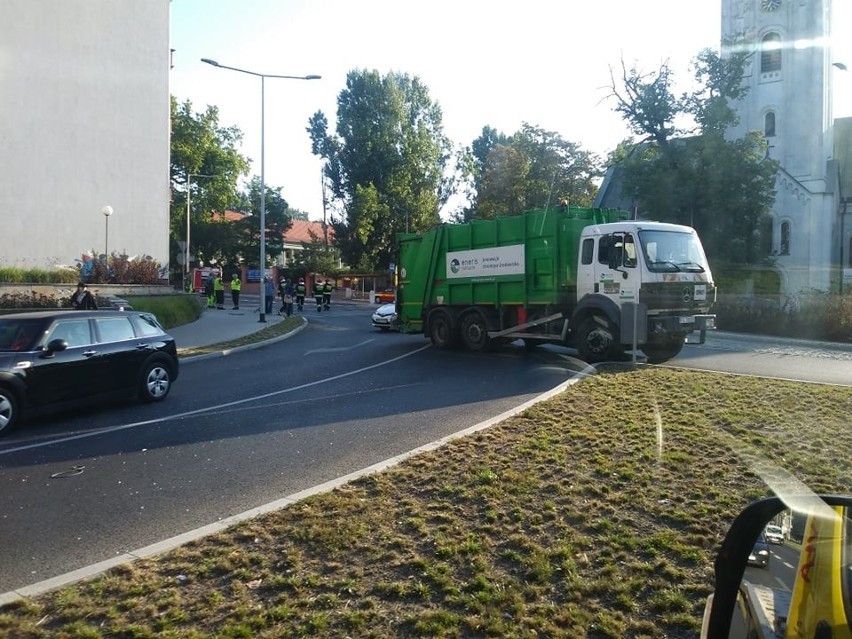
pixel 14 275
pixel 386 165
pixel 724 189
pixel 246 231
pixel 531 169
pixel 201 147
pixel 170 310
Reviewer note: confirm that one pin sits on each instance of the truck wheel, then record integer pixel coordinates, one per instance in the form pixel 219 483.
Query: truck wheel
pixel 474 332
pixel 441 331
pixel 596 342
pixel 662 352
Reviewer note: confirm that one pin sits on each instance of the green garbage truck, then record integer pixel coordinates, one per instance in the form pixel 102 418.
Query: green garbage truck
pixel 590 279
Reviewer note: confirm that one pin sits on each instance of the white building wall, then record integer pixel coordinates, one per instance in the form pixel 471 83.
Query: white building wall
pixel 84 123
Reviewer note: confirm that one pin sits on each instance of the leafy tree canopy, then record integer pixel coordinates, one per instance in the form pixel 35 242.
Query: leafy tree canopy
pixel 532 168
pixel 386 165
pixel 200 146
pixel 692 174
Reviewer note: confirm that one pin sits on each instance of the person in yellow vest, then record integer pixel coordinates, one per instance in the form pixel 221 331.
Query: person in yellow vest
pixel 219 291
pixel 235 290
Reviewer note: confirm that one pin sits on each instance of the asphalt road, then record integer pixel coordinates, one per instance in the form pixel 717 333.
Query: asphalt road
pixel 773 357
pixel 248 429
pixel 241 431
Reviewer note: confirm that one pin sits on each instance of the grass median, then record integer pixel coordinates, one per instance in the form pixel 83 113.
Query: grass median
pixel 594 514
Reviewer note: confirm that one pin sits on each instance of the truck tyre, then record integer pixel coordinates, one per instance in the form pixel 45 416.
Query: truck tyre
pixel 663 351
pixel 441 330
pixel 596 341
pixel 474 332
pixel 8 410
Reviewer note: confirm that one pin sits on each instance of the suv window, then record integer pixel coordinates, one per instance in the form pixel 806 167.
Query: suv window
pixel 146 325
pixel 75 332
pixel 114 329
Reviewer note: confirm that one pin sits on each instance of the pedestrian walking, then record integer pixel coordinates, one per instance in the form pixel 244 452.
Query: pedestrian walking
pixel 301 289
pixel 83 300
pixel 286 291
pixel 268 295
pixel 236 285
pixel 219 291
pixel 326 294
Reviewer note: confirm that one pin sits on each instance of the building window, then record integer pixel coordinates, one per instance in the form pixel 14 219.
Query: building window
pixel 785 238
pixel 849 254
pixel 769 125
pixel 770 53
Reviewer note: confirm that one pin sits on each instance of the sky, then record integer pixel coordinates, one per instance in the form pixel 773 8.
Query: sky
pixel 500 64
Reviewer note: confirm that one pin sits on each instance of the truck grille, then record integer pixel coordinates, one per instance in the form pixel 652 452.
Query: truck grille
pixel 678 296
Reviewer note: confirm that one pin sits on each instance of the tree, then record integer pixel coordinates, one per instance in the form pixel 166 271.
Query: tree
pixel 247 230
pixel 315 257
pixel 691 174
pixel 386 166
pixel 199 145
pixel 533 168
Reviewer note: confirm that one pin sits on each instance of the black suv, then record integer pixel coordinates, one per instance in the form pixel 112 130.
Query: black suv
pixel 55 359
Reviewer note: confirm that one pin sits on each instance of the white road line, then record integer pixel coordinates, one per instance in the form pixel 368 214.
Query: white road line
pixel 207 409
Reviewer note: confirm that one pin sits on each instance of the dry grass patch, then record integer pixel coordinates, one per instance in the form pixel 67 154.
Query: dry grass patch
pixel 594 514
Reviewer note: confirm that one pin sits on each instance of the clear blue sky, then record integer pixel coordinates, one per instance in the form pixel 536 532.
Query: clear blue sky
pixel 485 63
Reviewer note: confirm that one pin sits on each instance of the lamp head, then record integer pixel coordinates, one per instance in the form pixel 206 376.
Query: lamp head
pixel 107 211
pixel 209 61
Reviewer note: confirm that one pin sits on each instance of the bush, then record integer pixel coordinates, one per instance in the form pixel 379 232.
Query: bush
pixel 809 314
pixel 29 300
pixel 120 268
pixel 39 276
pixel 170 310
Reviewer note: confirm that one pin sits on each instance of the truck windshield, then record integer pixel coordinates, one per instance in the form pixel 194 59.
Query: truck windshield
pixel 672 251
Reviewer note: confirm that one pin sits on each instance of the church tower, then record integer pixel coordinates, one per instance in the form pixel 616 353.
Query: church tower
pixel 789 99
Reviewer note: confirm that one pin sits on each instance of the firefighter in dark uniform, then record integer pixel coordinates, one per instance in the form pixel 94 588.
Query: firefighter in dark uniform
pixel 301 289
pixel 318 295
pixel 326 294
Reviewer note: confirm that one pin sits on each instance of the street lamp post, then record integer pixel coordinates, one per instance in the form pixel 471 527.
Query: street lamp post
pixel 189 177
pixel 107 211
pixel 262 77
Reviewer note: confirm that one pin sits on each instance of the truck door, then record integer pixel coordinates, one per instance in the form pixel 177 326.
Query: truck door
pixel 616 271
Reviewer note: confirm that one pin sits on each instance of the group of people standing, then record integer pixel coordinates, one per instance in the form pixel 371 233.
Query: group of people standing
pixel 289 292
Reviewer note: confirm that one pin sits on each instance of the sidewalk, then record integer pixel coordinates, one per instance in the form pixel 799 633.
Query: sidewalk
pixel 216 326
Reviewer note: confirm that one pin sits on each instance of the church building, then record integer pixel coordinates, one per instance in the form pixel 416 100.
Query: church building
pixel 790 79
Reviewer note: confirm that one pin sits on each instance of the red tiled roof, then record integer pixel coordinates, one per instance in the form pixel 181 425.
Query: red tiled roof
pixel 299 232
pixel 296 234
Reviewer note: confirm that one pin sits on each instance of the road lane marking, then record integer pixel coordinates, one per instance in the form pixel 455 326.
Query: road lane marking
pixel 338 349
pixel 207 409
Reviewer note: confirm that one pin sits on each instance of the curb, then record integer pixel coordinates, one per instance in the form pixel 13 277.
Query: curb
pixel 245 347
pixel 165 545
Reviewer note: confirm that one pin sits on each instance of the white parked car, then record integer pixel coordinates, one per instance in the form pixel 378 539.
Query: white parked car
pixel 385 317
